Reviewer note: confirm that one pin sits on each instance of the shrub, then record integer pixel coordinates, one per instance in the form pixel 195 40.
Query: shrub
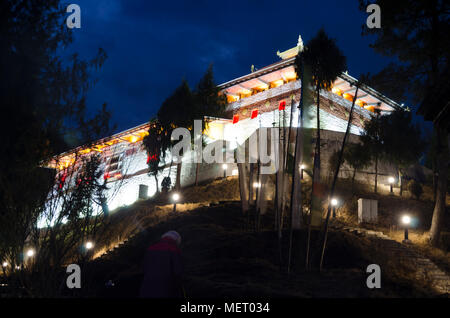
pixel 415 188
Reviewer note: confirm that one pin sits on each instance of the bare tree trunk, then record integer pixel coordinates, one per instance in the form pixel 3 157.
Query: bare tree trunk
pixel 376 173
pixel 400 180
pixel 250 185
pixel 441 193
pixel 435 181
pixel 178 181
pixel 333 185
pixel 353 179
pixel 296 184
pixel 156 181
pixel 296 199
pixel 318 135
pixel 243 189
pixel 196 172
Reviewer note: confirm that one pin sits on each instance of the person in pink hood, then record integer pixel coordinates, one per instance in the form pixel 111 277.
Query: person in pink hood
pixel 163 268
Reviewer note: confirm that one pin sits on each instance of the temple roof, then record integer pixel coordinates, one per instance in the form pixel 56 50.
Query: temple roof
pixel 283 71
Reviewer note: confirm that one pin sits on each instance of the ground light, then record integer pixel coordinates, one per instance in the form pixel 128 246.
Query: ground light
pixel 391 181
pixel 30 253
pixel 175 198
pixel 334 203
pixel 406 220
pixel 224 167
pixel 302 167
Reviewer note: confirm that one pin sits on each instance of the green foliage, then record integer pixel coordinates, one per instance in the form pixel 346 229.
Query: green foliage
pixel 415 188
pixel 415 33
pixel 393 138
pixel 44 103
pixel 208 101
pixel 325 59
pixel 180 109
pixel 177 109
pixel 402 141
pixel 356 156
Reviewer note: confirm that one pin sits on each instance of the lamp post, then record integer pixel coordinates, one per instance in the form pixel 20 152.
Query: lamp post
pixel 302 167
pixel 406 220
pixel 391 182
pixel 224 167
pixel 334 203
pixel 175 198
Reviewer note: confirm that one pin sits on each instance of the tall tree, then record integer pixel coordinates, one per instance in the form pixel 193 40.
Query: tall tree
pixel 326 62
pixel 156 145
pixel 177 111
pixel 402 141
pixel 372 143
pixel 415 33
pixel 208 102
pixel 358 158
pixel 44 104
pixel 338 165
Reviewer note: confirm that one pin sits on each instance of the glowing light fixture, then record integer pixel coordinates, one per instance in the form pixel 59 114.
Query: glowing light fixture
pixel 406 219
pixel 5 264
pixel 175 198
pixel 391 181
pixel 30 253
pixel 302 167
pixel 334 202
pixel 133 139
pixel 277 83
pixel 224 167
pixel 256 185
pixel 337 91
pixel 89 245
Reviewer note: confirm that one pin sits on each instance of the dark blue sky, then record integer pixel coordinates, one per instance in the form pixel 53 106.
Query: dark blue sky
pixel 152 45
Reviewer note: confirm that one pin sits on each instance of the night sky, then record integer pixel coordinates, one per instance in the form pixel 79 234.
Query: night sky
pixel 153 45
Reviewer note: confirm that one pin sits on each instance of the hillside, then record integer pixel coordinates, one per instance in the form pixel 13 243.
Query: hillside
pixel 224 257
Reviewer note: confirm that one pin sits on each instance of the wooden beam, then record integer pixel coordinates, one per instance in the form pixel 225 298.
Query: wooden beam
pixel 351 89
pixel 264 82
pixel 340 84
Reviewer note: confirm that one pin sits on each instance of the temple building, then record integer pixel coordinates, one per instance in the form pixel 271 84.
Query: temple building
pixel 254 100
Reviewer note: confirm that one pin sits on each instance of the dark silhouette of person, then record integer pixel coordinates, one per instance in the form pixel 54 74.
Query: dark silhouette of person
pixel 163 268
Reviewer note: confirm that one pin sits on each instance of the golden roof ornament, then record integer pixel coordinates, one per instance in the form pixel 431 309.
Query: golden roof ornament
pixel 293 51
